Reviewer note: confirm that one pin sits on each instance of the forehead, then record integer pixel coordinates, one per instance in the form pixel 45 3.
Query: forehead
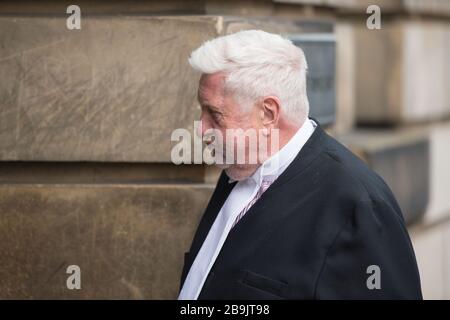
pixel 211 87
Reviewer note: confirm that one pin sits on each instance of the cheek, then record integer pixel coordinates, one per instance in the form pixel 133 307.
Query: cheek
pixel 257 119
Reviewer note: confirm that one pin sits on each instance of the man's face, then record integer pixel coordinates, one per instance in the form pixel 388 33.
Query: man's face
pixel 221 112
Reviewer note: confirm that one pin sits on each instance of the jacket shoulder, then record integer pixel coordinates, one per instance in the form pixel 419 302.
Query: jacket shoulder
pixel 349 176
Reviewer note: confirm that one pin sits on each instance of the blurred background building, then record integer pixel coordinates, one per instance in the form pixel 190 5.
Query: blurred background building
pixel 86 118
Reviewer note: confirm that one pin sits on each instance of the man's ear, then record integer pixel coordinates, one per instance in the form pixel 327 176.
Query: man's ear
pixel 270 111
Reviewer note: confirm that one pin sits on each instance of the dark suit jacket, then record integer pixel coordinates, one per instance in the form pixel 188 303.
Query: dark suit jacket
pixel 313 234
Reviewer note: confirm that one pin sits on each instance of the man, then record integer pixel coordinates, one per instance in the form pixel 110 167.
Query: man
pixel 308 221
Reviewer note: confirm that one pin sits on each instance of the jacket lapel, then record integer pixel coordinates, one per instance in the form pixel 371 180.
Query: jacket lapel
pixel 221 193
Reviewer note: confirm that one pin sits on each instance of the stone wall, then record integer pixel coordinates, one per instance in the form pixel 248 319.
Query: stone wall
pixel 86 117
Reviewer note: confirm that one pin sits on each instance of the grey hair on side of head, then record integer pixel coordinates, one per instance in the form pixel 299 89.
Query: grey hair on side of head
pixel 258 64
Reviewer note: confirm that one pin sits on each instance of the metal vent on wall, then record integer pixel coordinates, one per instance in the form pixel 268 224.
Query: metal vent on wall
pixel 319 49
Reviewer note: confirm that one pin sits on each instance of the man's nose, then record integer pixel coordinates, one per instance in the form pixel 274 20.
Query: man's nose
pixel 202 127
pixel 199 129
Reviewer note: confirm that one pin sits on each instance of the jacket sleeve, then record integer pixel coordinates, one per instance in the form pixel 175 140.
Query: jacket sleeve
pixel 371 257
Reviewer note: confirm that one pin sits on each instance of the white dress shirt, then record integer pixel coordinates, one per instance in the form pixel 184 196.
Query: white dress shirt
pixel 240 196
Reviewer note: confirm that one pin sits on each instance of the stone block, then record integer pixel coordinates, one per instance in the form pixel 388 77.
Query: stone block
pixel 112 91
pixel 432 247
pixel 128 239
pixel 402 72
pixel 429 249
pixel 439 208
pixel 401 158
pixel 417 7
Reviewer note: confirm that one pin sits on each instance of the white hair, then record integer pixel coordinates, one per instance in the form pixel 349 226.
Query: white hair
pixel 257 64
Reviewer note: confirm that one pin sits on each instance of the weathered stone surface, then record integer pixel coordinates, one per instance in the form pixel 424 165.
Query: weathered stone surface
pixel 431 237
pixel 112 91
pixel 283 10
pixel 425 7
pixel 402 72
pixel 401 158
pixel 89 7
pixel 426 71
pixel 435 7
pixel 345 77
pixel 334 3
pixel 128 240
pixel 439 208
pixel 96 172
pixel 432 249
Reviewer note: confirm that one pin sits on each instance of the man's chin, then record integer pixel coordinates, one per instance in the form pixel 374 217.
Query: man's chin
pixel 237 174
pixel 230 170
pixel 232 174
pixel 221 164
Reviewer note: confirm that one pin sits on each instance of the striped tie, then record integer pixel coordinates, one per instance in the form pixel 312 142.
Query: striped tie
pixel 264 185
